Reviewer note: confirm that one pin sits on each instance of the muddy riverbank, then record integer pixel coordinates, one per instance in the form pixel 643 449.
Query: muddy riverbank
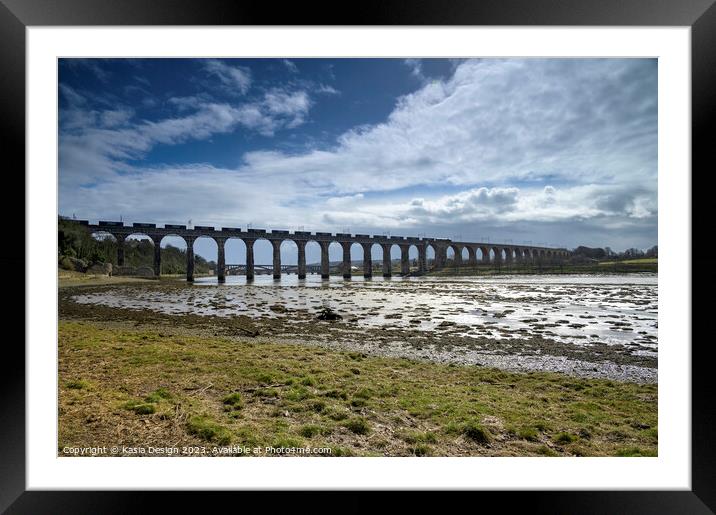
pixel 597 327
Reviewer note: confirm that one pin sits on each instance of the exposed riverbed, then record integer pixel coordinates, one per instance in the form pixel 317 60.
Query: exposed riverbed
pixel 586 325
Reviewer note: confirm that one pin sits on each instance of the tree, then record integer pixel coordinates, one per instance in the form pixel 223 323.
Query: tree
pixel 587 252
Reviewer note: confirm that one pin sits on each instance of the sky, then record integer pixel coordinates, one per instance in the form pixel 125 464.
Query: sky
pixel 559 152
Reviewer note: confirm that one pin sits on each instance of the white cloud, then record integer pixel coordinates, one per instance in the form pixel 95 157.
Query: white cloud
pixel 498 121
pixel 472 203
pixel 235 79
pixel 294 105
pixel 344 202
pixel 93 65
pixel 327 89
pixel 416 68
pixel 191 102
pixel 116 117
pixel 94 144
pixel 290 65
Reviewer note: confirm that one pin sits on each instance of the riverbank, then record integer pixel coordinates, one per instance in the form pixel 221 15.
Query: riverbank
pixel 146 383
pixel 69 278
pixel 598 329
pixel 597 268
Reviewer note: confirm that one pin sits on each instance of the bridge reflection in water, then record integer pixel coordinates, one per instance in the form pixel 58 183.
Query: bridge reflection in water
pixel 488 252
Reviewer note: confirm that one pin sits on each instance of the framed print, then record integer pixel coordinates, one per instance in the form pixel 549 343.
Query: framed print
pixel 419 252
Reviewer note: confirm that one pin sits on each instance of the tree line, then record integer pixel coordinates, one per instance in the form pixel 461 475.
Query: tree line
pixel 75 242
pixel 608 253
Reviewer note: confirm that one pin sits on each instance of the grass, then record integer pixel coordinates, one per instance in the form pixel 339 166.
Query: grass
pixel 76 384
pixel 596 267
pixel 640 261
pixel 151 385
pixel 72 278
pixel 208 430
pixel 358 426
pixel 233 401
pixel 474 431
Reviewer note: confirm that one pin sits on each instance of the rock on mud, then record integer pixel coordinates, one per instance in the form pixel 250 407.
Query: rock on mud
pixel 328 314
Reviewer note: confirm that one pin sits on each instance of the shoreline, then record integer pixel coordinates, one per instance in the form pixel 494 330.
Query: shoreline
pixel 512 351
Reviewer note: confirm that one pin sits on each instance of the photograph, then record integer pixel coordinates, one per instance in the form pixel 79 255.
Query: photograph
pixel 357 257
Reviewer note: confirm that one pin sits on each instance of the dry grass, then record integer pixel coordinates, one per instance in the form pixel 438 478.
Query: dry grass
pixel 158 386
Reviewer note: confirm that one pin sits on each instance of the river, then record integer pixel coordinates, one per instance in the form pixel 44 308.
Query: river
pixel 588 325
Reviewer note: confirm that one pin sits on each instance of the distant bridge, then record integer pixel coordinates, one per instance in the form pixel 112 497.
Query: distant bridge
pixel 489 252
pixel 268 269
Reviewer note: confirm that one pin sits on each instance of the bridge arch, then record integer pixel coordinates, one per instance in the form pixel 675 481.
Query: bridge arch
pixel 355 253
pixel 203 245
pixel 430 255
pixel 130 243
pixel 235 249
pixel 106 242
pixel 335 253
pixel 312 257
pixel 106 235
pixel 259 256
pixel 507 254
pixel 170 241
pixel 288 256
pixel 471 255
pixel 453 255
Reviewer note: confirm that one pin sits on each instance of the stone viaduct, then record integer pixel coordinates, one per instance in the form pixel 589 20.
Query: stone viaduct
pixel 490 252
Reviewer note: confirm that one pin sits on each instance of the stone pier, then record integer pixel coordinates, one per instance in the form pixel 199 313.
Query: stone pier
pixel 367 260
pixel 387 264
pixel 346 260
pixel 276 244
pixel 221 260
pixel 404 260
pixel 301 259
pixel 249 260
pixel 325 262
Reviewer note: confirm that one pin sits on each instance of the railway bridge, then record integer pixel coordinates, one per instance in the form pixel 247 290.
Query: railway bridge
pixel 488 252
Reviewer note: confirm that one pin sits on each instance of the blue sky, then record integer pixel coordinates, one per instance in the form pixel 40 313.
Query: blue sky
pixel 553 151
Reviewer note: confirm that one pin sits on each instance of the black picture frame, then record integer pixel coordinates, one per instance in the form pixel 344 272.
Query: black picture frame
pixel 16 15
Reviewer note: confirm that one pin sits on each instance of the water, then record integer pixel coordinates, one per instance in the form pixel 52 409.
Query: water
pixel 610 309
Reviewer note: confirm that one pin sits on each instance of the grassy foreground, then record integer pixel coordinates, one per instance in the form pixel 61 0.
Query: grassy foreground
pixel 121 385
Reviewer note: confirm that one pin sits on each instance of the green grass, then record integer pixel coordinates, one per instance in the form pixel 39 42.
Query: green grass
pixel 233 401
pixel 76 384
pixel 165 384
pixel 640 261
pixel 208 430
pixel 563 438
pixel 358 426
pixel 528 433
pixel 140 408
pixel 474 431
pixel 158 395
